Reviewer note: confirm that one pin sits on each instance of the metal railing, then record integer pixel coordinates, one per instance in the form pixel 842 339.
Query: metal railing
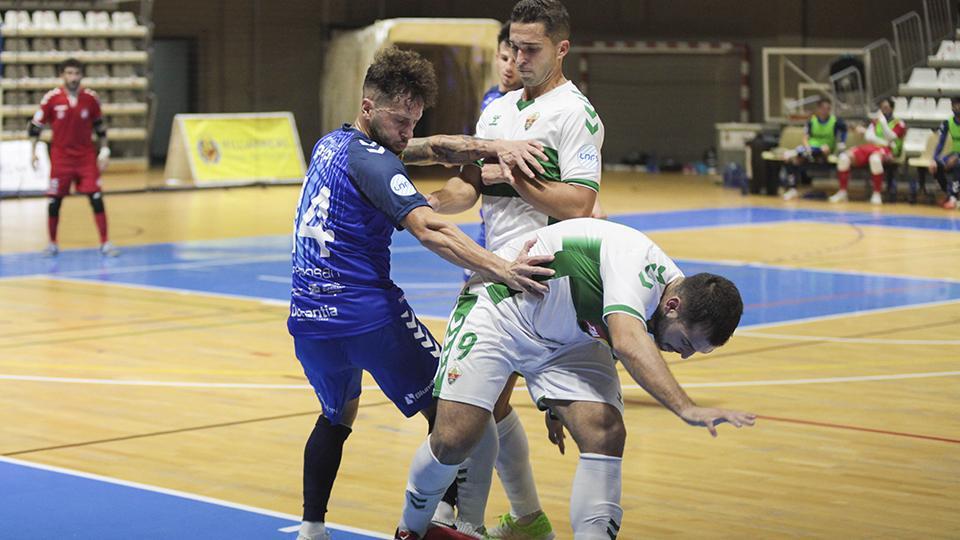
pixel 939 22
pixel 881 71
pixel 910 44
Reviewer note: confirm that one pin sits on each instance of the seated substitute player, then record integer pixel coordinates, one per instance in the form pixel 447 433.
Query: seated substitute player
pixel 949 162
pixel 613 286
pixel 884 136
pixel 824 134
pixel 346 314
pixel 73 113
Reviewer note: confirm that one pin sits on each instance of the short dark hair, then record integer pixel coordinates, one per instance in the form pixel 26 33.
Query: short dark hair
pixel 553 15
pixel 712 302
pixel 395 73
pixel 823 100
pixel 71 62
pixel 889 100
pixel 955 99
pixel 504 35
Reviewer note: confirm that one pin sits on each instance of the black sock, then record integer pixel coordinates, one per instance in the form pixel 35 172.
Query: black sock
pixel 450 497
pixel 321 461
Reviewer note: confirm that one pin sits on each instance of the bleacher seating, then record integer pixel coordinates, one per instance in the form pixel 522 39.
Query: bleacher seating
pixel 923 78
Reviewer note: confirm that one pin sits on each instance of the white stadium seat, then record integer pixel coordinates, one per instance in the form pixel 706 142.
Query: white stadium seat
pixel 947 50
pixel 72 20
pixel 949 78
pixel 944 109
pixel 915 141
pixel 900 104
pixel 17 19
pixel 923 78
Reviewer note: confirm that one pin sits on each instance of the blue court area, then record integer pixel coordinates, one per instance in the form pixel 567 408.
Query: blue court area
pixel 46 502
pixel 259 268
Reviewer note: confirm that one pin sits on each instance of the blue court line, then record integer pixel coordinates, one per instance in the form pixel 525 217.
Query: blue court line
pixel 38 501
pixel 716 217
pixel 259 267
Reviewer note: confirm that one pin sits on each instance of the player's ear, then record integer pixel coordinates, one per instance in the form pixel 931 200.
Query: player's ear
pixel 672 307
pixel 366 107
pixel 563 48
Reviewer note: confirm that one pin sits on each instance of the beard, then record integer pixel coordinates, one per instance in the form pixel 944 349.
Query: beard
pixel 654 325
pixel 377 134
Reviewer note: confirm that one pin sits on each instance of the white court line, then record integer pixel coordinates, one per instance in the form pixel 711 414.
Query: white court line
pixel 871 341
pixel 175 266
pixel 721 384
pixel 859 313
pixel 181 494
pixel 158 288
pixel 735 262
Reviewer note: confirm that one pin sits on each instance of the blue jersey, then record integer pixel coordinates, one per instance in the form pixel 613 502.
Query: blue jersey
pixel 492 94
pixel 355 194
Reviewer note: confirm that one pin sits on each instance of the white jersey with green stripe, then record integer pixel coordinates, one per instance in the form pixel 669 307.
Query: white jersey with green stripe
pixel 601 268
pixel 567 125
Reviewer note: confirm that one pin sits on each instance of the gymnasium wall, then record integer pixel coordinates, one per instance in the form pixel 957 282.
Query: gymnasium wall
pixel 259 55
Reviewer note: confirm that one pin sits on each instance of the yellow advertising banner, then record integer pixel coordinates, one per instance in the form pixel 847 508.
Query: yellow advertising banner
pixel 229 148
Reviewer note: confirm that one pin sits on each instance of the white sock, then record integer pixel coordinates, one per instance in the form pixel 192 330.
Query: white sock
pixel 513 466
pixel 313 530
pixel 426 485
pixel 595 512
pixel 477 475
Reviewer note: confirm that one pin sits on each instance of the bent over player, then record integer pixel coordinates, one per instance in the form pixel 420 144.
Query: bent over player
pixel 346 314
pixel 73 113
pixel 613 286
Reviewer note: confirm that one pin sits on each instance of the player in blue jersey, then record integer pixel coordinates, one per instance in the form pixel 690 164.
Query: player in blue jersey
pixel 949 161
pixel 506 69
pixel 346 315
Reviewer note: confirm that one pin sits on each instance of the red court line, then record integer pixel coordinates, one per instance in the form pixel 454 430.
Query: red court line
pixel 858 428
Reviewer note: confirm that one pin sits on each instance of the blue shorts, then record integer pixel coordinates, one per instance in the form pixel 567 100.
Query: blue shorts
pixel 402 357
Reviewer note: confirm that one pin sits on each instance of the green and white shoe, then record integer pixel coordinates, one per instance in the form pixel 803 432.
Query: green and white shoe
pixel 510 529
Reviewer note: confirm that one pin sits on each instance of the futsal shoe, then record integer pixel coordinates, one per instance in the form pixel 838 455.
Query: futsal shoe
pixel 509 528
pixel 107 250
pixel 433 533
pixel 876 198
pixel 790 194
pixel 950 204
pixel 52 250
pixel 839 197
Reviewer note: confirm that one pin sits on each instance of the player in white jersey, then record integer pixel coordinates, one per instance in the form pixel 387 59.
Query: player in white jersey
pixel 550 110
pixel 612 288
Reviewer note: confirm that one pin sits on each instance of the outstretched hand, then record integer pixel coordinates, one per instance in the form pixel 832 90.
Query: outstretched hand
pixel 525 155
pixel 710 418
pixel 520 273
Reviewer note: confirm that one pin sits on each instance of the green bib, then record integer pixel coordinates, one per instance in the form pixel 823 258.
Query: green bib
pixel 823 133
pixel 897 146
pixel 954 134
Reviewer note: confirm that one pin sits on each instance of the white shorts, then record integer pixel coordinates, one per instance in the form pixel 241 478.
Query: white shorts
pixel 485 342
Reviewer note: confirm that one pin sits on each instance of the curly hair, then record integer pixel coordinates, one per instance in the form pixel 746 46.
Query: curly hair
pixel 713 302
pixel 552 13
pixel 395 73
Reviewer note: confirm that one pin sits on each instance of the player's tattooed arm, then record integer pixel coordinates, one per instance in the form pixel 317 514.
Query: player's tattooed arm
pixel 461 149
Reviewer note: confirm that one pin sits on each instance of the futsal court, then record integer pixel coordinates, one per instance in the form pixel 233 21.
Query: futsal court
pixel 156 394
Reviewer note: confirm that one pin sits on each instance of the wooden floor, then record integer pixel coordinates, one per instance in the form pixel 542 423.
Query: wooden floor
pixel 859 435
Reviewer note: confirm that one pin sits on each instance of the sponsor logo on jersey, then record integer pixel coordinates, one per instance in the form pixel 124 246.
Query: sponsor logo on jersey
pixel 322 313
pixel 84 113
pixel 400 185
pixel 496 118
pixel 413 397
pixel 530 120
pixel 208 150
pixel 589 157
